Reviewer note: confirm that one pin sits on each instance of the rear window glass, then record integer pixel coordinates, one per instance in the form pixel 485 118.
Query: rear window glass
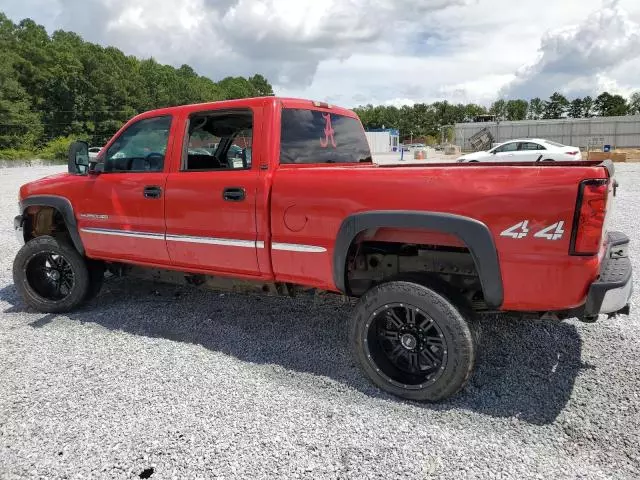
pixel 311 136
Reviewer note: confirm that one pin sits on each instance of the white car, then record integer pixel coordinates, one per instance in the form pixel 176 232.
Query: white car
pixel 94 151
pixel 525 150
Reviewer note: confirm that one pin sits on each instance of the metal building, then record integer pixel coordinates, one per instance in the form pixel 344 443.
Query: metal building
pixel 383 140
pixel 620 132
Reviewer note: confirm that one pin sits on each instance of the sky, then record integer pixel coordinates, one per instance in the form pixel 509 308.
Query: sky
pixel 355 52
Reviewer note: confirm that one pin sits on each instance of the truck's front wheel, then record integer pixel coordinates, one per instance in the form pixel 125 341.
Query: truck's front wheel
pixel 50 275
pixel 412 342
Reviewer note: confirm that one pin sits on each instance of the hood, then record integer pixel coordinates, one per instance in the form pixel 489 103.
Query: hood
pixel 49 185
pixel 473 156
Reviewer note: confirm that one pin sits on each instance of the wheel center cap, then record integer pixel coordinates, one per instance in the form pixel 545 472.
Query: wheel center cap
pixel 408 341
pixel 55 275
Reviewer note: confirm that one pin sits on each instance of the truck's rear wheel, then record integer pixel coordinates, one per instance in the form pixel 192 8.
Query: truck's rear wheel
pixel 50 275
pixel 412 342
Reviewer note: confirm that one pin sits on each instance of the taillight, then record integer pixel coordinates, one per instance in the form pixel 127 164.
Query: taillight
pixel 574 152
pixel 588 222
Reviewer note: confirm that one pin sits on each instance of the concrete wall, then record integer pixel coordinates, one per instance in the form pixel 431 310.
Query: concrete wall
pixel 621 132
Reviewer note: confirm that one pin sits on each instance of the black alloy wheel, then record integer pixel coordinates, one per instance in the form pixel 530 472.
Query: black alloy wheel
pixel 406 344
pixel 413 341
pixel 50 275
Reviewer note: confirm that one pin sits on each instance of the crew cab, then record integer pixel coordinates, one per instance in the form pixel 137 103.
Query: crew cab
pixel 284 191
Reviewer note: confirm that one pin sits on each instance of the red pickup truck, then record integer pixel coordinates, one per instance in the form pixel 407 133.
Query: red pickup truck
pixel 285 191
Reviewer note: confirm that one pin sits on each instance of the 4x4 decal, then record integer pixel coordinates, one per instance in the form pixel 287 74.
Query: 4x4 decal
pixel 521 230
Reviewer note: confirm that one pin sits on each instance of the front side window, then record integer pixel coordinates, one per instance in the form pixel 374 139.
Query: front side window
pixel 219 140
pixel 312 136
pixel 507 147
pixel 140 148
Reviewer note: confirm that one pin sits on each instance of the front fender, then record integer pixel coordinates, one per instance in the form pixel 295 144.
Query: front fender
pixel 63 205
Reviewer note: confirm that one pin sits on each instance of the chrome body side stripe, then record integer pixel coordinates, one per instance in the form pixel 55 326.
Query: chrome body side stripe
pixel 295 247
pixel 228 242
pixel 124 233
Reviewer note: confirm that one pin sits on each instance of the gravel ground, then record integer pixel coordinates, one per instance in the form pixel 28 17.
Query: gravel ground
pixel 175 382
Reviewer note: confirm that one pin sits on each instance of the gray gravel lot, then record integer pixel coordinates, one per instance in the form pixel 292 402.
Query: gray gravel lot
pixel 197 384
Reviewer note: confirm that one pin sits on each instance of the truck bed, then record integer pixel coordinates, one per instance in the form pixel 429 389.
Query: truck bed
pixel 500 196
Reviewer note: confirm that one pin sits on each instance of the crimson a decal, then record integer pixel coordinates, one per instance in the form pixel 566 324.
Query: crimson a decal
pixel 328 132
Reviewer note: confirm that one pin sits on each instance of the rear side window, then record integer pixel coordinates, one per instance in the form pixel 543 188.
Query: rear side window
pixel 531 146
pixel 311 136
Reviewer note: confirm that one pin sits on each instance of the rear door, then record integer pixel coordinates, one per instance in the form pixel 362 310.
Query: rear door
pixel 315 145
pixel 529 151
pixel 211 197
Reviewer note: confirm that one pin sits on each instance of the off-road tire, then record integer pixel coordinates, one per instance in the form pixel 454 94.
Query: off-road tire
pixel 459 339
pixel 48 244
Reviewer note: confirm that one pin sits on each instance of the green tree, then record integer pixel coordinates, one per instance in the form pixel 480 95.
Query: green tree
pixel 58 85
pixel 556 107
pixel 499 109
pixel 516 109
pixel 634 104
pixel 607 105
pixel 261 85
pixel 587 107
pixel 536 108
pixel 471 111
pixel 20 128
pixel 237 87
pixel 576 108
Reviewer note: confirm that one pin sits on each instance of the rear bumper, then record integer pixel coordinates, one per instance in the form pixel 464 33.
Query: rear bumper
pixel 611 292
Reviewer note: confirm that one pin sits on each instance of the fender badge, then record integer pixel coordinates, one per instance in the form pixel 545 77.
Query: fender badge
pixel 94 216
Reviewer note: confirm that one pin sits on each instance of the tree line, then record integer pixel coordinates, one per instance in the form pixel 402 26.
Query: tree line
pixel 58 86
pixel 430 120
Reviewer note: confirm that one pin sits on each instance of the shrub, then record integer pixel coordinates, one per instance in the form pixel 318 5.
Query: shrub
pixel 56 149
pixel 16 154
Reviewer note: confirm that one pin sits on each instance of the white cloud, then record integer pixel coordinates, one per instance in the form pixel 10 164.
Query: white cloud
pixel 578 59
pixel 371 51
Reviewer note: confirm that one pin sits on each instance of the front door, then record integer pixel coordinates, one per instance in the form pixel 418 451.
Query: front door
pixel 211 198
pixel 122 217
pixel 506 152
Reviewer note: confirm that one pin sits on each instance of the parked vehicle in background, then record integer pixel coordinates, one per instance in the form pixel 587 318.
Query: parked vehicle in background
pixel 525 150
pixel 414 146
pixel 94 151
pixel 424 248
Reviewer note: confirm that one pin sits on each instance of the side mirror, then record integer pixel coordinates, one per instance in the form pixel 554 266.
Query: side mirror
pixel 78 158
